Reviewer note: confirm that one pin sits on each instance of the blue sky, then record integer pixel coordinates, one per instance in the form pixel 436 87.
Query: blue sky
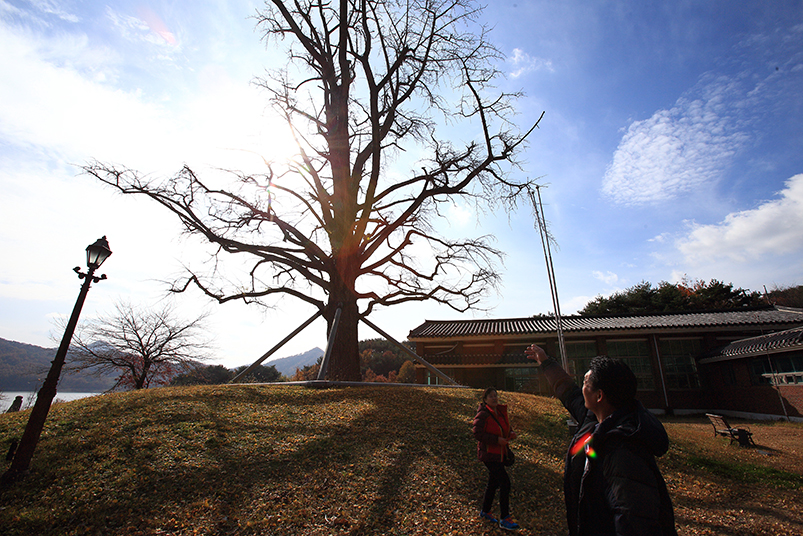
pixel 671 147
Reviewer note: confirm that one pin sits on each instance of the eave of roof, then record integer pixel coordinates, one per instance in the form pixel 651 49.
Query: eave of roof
pixel 782 341
pixel 450 329
pixel 477 360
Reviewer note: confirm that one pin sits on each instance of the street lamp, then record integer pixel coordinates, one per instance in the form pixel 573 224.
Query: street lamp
pixel 95 255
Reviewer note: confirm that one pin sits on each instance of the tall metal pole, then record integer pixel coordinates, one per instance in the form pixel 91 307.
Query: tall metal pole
pixel 36 422
pixel 538 207
pixel 774 380
pixel 330 344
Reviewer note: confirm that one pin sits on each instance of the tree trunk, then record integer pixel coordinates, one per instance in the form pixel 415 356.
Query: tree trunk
pixel 344 362
pixel 139 379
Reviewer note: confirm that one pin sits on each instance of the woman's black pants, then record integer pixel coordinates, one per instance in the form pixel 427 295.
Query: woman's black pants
pixel 497 479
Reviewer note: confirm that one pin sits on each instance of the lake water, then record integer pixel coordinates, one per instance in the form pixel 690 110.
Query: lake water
pixel 29 397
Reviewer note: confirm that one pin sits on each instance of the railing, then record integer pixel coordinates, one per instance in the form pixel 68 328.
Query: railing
pixel 784 378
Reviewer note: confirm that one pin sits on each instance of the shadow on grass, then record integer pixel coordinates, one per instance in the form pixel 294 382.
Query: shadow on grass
pixel 256 460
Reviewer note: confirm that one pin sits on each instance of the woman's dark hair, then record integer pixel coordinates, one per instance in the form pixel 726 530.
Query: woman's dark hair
pixel 615 378
pixel 488 391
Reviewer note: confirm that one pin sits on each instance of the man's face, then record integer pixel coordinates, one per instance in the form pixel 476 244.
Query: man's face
pixel 590 395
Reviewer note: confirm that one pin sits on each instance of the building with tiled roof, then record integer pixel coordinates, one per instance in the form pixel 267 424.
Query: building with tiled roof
pixel 696 361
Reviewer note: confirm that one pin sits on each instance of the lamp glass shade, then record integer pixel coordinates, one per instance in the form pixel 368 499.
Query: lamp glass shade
pixel 97 253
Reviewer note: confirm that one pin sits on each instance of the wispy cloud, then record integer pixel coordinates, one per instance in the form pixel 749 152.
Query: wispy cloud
pixel 678 150
pixel 693 144
pixel 459 215
pixel 81 114
pixel 772 229
pixel 609 278
pixel 522 63
pixel 92 115
pixel 144 27
pixel 50 7
pixel 157 25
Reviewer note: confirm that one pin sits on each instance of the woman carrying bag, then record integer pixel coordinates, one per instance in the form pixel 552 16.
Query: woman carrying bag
pixel 493 434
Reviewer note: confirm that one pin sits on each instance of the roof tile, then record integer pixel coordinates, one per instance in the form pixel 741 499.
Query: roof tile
pixel 783 340
pixel 432 329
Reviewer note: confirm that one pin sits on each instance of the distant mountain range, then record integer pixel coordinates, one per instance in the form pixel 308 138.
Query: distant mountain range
pixel 288 365
pixel 23 367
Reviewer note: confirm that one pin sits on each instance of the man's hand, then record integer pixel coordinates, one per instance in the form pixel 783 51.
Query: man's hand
pixel 536 353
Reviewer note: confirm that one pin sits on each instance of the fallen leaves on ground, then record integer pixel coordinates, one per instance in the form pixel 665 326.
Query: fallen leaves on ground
pixel 265 460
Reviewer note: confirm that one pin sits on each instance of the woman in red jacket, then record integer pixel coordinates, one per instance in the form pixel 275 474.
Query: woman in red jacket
pixel 493 433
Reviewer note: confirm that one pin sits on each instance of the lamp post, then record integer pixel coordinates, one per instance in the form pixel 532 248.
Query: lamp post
pixel 95 255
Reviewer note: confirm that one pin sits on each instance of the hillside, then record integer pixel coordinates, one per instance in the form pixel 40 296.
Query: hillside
pixel 287 460
pixel 23 367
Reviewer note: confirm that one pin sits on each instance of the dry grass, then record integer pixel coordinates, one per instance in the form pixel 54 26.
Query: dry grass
pixel 722 488
pixel 258 460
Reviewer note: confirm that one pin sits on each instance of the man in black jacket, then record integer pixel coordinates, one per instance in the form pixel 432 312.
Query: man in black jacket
pixel 612 484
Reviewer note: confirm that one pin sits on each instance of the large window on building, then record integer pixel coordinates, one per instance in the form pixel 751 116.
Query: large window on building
pixel 760 371
pixel 522 379
pixel 579 354
pixel 636 354
pixel 680 368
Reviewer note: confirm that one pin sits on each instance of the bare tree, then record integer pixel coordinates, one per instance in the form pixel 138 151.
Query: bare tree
pixel 142 347
pixel 368 82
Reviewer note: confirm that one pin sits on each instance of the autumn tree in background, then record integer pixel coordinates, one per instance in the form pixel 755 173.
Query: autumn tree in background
pixel 142 347
pixel 791 296
pixel 381 360
pixel 406 373
pixel 687 295
pixel 307 372
pixel 396 118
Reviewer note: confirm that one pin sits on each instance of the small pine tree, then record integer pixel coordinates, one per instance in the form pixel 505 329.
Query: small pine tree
pixel 407 372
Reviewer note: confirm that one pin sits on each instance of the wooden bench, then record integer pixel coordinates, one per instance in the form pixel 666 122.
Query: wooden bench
pixel 721 427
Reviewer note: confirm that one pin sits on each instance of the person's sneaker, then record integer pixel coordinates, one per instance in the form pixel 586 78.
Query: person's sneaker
pixel 488 516
pixel 508 523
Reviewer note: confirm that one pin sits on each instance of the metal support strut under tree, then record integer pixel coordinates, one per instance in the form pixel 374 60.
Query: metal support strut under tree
pixel 325 361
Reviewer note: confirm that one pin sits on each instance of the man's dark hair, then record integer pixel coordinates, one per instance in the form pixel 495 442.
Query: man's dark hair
pixel 615 378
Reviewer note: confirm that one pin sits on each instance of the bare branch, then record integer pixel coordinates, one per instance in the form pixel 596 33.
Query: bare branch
pixel 368 82
pixel 142 347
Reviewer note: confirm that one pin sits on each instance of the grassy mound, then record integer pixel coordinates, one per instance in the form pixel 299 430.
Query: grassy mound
pixel 264 460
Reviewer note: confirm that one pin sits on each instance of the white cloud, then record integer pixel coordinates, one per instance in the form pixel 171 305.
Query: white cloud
pixel 47 103
pixel 523 63
pixel 677 276
pixel 459 215
pixel 692 145
pixel 661 238
pixel 87 117
pixel 609 278
pixel 146 26
pixel 678 150
pixel 50 7
pixel 773 229
pixel 64 99
pixel 574 304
